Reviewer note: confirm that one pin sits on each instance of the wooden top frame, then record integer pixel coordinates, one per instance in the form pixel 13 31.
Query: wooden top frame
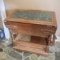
pixel 53 23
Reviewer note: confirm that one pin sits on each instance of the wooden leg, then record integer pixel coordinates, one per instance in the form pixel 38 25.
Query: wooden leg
pixel 52 40
pixel 47 44
pixel 14 36
pixel 11 34
pixel 47 49
pixel 54 37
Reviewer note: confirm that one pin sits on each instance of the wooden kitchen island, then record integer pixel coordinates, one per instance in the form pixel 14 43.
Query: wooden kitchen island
pixel 40 25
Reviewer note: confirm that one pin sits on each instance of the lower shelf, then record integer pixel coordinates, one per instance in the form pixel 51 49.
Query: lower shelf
pixel 31 47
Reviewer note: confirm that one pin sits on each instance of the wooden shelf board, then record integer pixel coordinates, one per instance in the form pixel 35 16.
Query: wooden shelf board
pixel 30 47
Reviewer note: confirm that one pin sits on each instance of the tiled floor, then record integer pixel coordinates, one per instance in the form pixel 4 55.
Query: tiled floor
pixel 15 55
pixel 11 54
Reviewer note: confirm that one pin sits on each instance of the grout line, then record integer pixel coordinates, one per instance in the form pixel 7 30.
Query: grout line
pixel 18 53
pixel 22 55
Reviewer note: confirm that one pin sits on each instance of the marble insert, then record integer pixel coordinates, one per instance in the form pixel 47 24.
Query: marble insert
pixel 33 15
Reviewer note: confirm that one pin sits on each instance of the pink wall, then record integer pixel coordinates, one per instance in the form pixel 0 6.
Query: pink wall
pixel 50 5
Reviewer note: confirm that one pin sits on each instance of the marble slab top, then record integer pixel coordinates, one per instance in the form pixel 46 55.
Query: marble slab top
pixel 33 15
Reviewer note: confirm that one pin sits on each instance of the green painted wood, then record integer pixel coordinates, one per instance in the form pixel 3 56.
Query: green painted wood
pixel 31 15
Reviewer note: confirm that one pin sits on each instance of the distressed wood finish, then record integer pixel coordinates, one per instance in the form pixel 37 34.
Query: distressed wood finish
pixel 30 47
pixel 41 33
pixel 31 29
pixel 53 23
